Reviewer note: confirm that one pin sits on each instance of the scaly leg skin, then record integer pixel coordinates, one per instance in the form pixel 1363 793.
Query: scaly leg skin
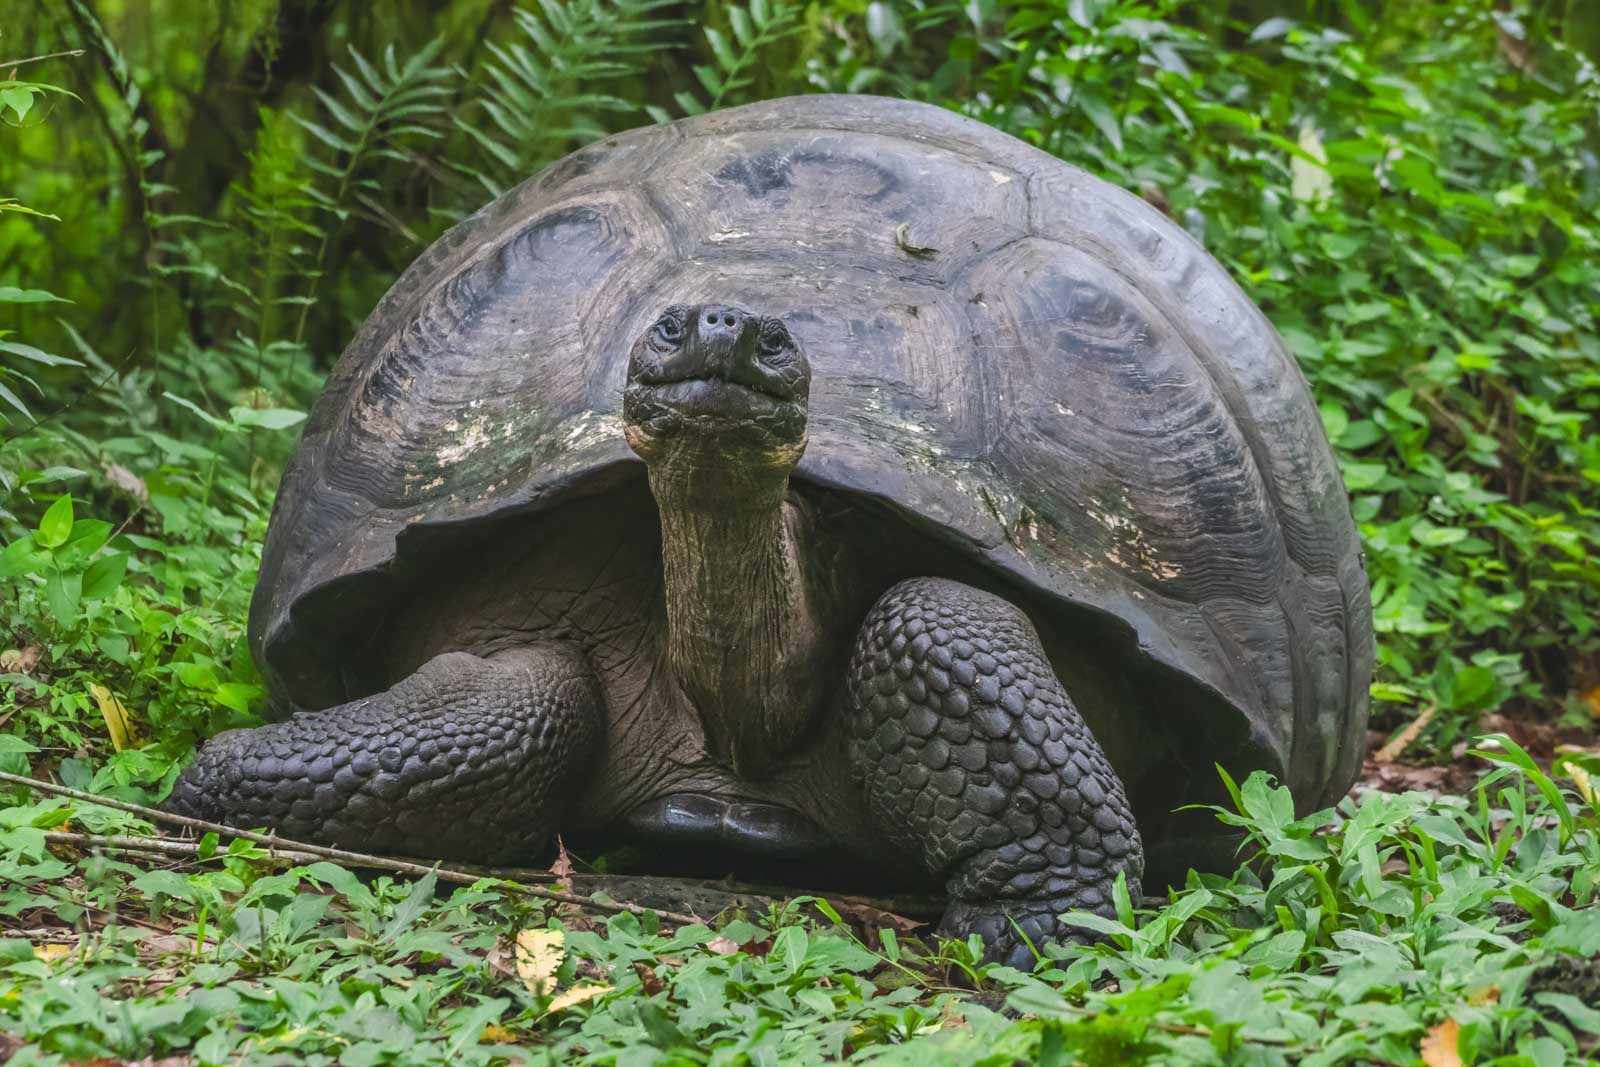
pixel 971 755
pixel 468 758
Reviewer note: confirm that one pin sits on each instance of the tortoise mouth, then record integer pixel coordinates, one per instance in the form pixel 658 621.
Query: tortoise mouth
pixel 712 406
pixel 712 394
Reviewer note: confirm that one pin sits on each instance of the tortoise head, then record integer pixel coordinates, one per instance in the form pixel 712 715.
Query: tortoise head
pixel 717 383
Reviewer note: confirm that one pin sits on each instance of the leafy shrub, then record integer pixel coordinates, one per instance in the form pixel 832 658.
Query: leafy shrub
pixel 1364 936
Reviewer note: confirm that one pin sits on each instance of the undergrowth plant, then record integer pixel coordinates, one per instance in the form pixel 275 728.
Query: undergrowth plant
pixel 1412 198
pixel 1409 191
pixel 1393 929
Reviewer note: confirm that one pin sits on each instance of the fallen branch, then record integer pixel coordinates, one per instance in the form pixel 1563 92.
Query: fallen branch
pixel 1402 740
pixel 338 855
pixel 701 896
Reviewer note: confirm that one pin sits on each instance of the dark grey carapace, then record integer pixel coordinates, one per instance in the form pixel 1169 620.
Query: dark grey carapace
pixel 670 500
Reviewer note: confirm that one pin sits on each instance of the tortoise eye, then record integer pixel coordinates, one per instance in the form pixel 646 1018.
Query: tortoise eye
pixel 669 327
pixel 774 337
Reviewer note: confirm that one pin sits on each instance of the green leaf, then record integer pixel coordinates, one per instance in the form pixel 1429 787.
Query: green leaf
pixel 1363 475
pixel 267 418
pixel 56 524
pixel 412 907
pixel 237 696
pixel 36 355
pixel 104 575
pixel 210 419
pixel 1102 116
pixel 63 591
pixel 1471 685
pixel 164 883
pixel 18 100
pixel 23 556
pixel 10 294
pixel 196 676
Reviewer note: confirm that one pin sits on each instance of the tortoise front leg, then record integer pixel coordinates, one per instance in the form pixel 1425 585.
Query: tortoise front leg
pixel 468 758
pixel 972 757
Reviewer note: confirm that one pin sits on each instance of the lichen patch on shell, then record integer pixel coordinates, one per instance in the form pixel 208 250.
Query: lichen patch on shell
pixel 474 437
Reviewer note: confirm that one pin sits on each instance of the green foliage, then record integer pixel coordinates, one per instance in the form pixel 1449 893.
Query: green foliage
pixel 1410 195
pixel 540 93
pixel 1361 933
pixel 215 194
pixel 1427 249
pixel 731 74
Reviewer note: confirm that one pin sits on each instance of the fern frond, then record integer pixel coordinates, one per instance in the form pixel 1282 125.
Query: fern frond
pixel 539 94
pixel 755 29
pixel 385 106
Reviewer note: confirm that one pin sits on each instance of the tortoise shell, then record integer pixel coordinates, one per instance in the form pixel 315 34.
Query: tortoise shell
pixel 1022 359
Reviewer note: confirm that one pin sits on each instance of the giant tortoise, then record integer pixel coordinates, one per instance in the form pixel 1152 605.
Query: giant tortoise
pixel 834 480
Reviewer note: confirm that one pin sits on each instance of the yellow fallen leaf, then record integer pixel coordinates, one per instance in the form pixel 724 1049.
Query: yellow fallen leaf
pixel 1479 998
pixel 1585 784
pixel 52 952
pixel 495 1034
pixel 1439 1045
pixel 116 717
pixel 539 955
pixel 1592 698
pixel 576 995
pixel 1308 182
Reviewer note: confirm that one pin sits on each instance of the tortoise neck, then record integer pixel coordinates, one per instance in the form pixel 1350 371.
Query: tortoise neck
pixel 741 632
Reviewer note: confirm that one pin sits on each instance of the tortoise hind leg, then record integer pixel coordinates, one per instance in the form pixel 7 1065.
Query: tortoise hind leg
pixel 972 757
pixel 468 758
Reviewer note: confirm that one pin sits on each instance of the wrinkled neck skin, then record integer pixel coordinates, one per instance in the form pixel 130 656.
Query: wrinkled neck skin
pixel 742 636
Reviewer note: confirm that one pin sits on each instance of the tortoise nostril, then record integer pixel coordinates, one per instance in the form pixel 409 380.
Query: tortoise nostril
pixel 727 320
pixel 711 318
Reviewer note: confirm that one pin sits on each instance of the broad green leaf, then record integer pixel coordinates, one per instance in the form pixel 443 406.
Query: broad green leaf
pixel 63 591
pixel 56 524
pixel 23 556
pixel 104 575
pixel 20 101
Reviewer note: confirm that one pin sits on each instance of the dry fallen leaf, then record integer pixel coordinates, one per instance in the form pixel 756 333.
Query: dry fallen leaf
pixel 539 955
pixel 116 717
pixel 20 660
pixel 722 946
pixel 647 978
pixel 576 995
pixel 1592 698
pixel 562 867
pixel 1308 182
pixel 1489 994
pixel 495 1034
pixel 1439 1045
pixel 52 952
pixel 126 480
pixel 500 959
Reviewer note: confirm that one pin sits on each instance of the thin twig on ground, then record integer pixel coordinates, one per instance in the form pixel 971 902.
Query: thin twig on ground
pixel 339 855
pixel 298 852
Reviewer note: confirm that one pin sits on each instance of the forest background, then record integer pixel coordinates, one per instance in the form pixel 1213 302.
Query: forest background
pixel 201 199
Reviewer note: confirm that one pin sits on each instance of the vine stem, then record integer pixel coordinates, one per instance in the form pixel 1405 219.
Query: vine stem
pixel 13 64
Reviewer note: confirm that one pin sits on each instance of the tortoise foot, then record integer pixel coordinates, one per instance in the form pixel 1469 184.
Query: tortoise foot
pixel 468 758
pixel 972 756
